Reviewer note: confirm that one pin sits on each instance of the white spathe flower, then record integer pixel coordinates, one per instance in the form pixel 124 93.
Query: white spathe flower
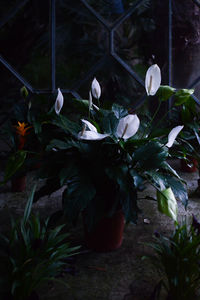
pixel 59 102
pixel 173 134
pixel 152 80
pixel 128 126
pixel 96 89
pixel 90 134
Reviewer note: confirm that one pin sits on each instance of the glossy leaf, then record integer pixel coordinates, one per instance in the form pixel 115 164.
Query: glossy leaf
pixel 151 155
pixel 28 207
pixel 119 111
pixel 167 203
pixel 109 122
pixel 165 92
pixel 183 96
pixel 59 144
pixel 77 196
pixel 129 206
pixel 66 124
pixel 14 164
pixel 179 189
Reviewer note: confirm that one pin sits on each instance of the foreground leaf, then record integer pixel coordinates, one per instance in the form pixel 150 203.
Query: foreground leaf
pixel 167 203
pixel 15 162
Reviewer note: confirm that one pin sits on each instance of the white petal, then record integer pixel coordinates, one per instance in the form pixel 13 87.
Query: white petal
pixel 152 80
pixel 59 102
pixel 147 221
pixel 128 126
pixel 91 135
pixel 96 89
pixel 89 125
pixel 173 134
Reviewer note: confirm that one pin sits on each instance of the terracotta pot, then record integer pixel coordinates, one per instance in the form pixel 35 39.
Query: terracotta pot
pixel 18 184
pixel 108 233
pixel 190 167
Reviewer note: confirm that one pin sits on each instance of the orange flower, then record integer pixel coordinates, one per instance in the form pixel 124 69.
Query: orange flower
pixel 21 129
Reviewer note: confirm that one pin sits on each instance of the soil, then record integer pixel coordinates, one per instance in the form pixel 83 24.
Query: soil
pixel 118 275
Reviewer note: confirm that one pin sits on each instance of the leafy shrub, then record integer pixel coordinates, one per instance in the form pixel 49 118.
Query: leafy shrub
pixel 31 254
pixel 178 261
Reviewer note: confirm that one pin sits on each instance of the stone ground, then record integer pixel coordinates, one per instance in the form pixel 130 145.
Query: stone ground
pixel 117 275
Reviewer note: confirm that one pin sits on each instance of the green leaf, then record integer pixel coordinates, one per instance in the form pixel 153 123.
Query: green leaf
pixel 24 92
pixel 37 126
pixel 94 212
pixel 58 144
pixel 15 162
pixel 68 173
pixel 158 132
pixel 167 167
pixel 165 92
pixel 77 196
pixel 67 125
pixel 119 111
pixel 132 143
pixel 109 123
pixel 183 96
pixel 129 205
pixel 185 92
pixel 151 155
pixel 167 203
pixel 158 179
pixel 137 179
pixel 197 135
pixel 178 189
pixel 120 174
pixel 28 207
pixel 81 106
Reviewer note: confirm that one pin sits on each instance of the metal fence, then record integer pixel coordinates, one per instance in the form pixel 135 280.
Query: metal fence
pixel 110 51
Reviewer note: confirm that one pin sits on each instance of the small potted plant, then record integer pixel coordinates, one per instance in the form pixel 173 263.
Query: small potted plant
pixel 104 160
pixel 186 112
pixel 32 253
pixel 15 166
pixel 177 261
pixel 21 133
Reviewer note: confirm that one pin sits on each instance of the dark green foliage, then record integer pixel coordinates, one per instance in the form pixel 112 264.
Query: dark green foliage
pixel 14 164
pixel 151 155
pixel 31 254
pixel 102 175
pixel 177 259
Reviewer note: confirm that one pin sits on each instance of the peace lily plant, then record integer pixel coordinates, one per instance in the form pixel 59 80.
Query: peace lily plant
pixel 105 158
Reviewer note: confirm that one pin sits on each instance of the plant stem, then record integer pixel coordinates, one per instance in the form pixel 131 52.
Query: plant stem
pixel 157 110
pixel 164 116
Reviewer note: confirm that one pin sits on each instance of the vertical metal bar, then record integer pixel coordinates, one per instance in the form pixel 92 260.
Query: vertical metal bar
pixel 52 43
pixel 170 50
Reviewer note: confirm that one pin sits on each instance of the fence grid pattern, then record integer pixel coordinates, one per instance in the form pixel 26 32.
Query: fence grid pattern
pixel 110 51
